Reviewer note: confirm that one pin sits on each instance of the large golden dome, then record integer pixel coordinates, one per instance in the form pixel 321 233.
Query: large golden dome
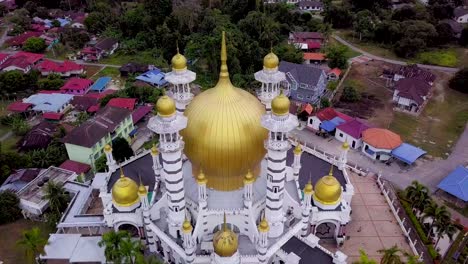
pixel 328 190
pixel 223 134
pixel 225 241
pixel 125 191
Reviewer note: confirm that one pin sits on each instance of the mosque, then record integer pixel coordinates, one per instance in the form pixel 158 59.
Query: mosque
pixel 225 184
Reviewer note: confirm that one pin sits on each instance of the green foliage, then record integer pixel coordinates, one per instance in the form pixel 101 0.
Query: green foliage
pixel 21 18
pixel 112 241
pixel 332 85
pixel 100 164
pixel 54 155
pixel 324 102
pixel 74 38
pixel 51 82
pixel 9 211
pixel 55 194
pixel 337 56
pixel 350 94
pixel 17 123
pixel 447 58
pixel 33 242
pixel 390 255
pixel 9 161
pixel 14 82
pixel 339 16
pixel 34 44
pixel 81 118
pixel 364 24
pixel 55 23
pixel 364 259
pixel 121 150
pixel 459 82
pixel 52 219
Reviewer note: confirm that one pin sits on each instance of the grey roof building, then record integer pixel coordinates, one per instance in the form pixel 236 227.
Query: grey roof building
pixel 306 84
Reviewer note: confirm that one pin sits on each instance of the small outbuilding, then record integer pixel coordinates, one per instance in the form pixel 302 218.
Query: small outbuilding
pixel 456 184
pixel 378 143
pixel 351 132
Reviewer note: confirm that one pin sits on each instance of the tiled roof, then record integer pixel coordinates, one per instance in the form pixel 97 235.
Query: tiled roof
pixel 63 67
pixel 381 138
pixel 76 84
pixel 128 103
pixel 310 4
pixel 302 73
pixel 82 103
pixel 20 39
pixel 39 136
pixel 330 113
pixel 4 56
pixel 18 107
pixel 22 60
pixel 106 44
pixel 336 71
pixel 299 36
pixel 75 166
pixel 413 89
pixel 353 128
pixel 52 116
pixel 140 112
pixel 100 95
pixel 314 56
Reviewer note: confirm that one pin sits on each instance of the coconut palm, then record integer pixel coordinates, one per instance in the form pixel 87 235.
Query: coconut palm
pixel 364 259
pixel 56 195
pixel 448 229
pixel 417 194
pixel 130 249
pixel 111 241
pixel 33 243
pixel 438 214
pixel 390 255
pixel 412 259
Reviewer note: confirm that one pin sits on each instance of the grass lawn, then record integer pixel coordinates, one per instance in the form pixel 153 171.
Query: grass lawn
pixel 350 54
pixel 447 58
pixel 10 143
pixel 144 57
pixel 107 71
pixel 9 252
pixel 91 70
pixel 438 127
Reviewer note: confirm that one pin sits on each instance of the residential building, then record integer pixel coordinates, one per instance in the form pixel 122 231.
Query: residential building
pixel 306 40
pixel 127 103
pixel 19 107
pixel 456 27
pixel 76 86
pixel 306 84
pixel 75 166
pixel 314 57
pixel 334 74
pixel 139 113
pixel 456 185
pixel 378 143
pixel 83 103
pixel 314 122
pixel 311 6
pixel 54 102
pixel 410 94
pixel 19 40
pixel 21 61
pixel 95 50
pixel 154 77
pixel 101 84
pixel 39 137
pixel 461 14
pixel 64 69
pixel 351 132
pixel 86 143
pixel 132 68
pixel 18 179
pixel 409 71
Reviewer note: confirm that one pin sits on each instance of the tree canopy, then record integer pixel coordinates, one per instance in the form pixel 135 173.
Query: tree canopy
pixel 9 211
pixel 459 82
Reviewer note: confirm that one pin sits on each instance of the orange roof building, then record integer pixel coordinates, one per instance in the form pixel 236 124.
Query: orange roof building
pixel 314 56
pixel 381 138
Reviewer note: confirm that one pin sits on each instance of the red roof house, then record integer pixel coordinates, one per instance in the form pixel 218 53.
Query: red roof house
pixel 314 56
pixel 334 74
pixel 326 114
pixel 23 61
pixel 306 40
pixel 75 166
pixel 52 116
pixel 141 112
pixel 19 107
pixel 4 57
pixel 76 86
pixel 128 103
pixel 20 39
pixel 65 69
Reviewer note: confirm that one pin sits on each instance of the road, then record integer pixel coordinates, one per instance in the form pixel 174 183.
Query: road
pixel 365 53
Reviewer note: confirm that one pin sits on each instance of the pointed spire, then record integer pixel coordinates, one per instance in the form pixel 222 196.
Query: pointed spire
pixel 331 171
pixel 121 171
pixel 225 224
pixel 177 46
pixel 224 68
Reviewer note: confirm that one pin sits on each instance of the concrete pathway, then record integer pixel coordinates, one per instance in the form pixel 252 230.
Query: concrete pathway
pixel 398 62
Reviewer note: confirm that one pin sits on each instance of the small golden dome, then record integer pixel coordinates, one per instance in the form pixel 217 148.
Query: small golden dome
pixel 298 149
pixel 280 104
pixel 187 227
pixel 125 191
pixel 308 188
pixel 165 106
pixel 142 190
pixel 225 241
pixel 179 62
pixel 249 178
pixel 201 178
pixel 263 226
pixel 328 190
pixel 270 61
pixel 108 148
pixel 345 145
pixel 154 150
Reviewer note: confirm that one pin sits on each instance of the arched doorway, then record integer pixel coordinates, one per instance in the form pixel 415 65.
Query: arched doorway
pixel 131 229
pixel 326 231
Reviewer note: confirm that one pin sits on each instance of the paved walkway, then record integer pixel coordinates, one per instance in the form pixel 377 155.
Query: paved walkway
pixel 398 62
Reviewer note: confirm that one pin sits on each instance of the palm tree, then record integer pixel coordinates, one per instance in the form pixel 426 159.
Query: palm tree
pixel 364 259
pixel 55 194
pixel 111 241
pixel 448 229
pixel 130 249
pixel 412 259
pixel 417 193
pixel 390 255
pixel 438 214
pixel 33 243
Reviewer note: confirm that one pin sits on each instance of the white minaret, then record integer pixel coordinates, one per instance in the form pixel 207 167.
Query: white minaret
pixel 249 179
pixel 296 166
pixel 271 78
pixel 202 194
pixel 262 245
pixel 156 165
pixel 306 207
pixel 279 122
pixel 189 243
pixel 343 156
pixel 143 194
pixel 180 78
pixel 168 124
pixel 111 164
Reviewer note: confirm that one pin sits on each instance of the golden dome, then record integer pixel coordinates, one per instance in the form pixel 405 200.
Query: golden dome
pixel 280 104
pixel 154 150
pixel 108 148
pixel 142 190
pixel 125 191
pixel 165 106
pixel 249 178
pixel 263 226
pixel 270 61
pixel 298 149
pixel 224 132
pixel 225 241
pixel 179 62
pixel 328 190
pixel 201 178
pixel 187 227
pixel 345 145
pixel 308 188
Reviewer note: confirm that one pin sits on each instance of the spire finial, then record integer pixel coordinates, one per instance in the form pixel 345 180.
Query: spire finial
pixel 121 171
pixel 177 45
pixel 331 171
pixel 224 68
pixel 271 46
pixel 310 177
pixel 224 224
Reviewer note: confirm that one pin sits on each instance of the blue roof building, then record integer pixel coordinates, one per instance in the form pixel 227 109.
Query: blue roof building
pixel 407 153
pixel 154 77
pixel 54 103
pixel 456 183
pixel 101 84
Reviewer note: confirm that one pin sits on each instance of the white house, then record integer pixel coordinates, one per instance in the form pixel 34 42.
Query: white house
pixel 326 114
pixel 461 14
pixel 378 143
pixel 351 132
pixel 411 93
pixel 311 6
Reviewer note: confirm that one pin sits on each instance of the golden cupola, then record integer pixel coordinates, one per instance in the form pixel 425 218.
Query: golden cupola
pixel 328 190
pixel 225 241
pixel 165 106
pixel 125 191
pixel 224 132
pixel 179 62
pixel 280 105
pixel 270 61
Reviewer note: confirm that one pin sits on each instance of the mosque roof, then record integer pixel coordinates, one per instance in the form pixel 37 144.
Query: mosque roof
pixel 141 167
pixel 306 253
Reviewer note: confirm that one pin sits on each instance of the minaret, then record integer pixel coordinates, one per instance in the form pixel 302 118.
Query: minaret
pixel 202 195
pixel 111 164
pixel 262 246
pixel 249 179
pixel 270 77
pixel 168 124
pixel 279 122
pixel 343 156
pixel 180 78
pixel 143 194
pixel 189 244
pixel 297 161
pixel 156 165
pixel 306 207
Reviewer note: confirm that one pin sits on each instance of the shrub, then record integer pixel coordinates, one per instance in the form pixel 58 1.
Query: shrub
pixel 9 211
pixel 350 94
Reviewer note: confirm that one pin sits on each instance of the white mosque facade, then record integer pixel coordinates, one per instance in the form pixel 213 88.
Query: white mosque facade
pixel 225 184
